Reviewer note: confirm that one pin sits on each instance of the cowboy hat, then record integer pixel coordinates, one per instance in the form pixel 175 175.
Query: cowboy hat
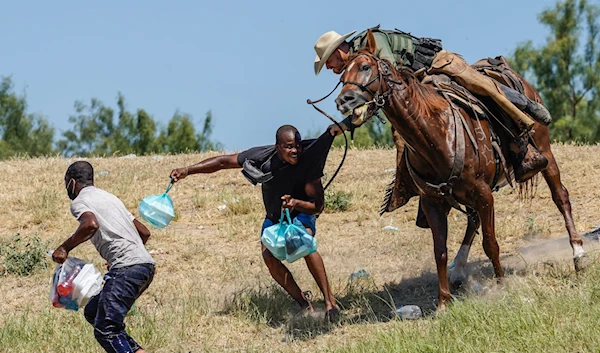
pixel 326 45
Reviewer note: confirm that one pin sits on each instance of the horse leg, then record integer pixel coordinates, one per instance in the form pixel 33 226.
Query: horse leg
pixel 458 273
pixel 560 196
pixel 436 211
pixel 484 205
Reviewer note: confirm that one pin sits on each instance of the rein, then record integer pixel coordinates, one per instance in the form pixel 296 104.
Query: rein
pixel 313 103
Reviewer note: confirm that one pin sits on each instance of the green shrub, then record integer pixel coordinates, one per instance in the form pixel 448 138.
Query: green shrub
pixel 23 258
pixel 337 201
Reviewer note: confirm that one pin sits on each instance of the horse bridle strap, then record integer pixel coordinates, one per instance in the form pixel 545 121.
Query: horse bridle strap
pixel 365 87
pixel 383 73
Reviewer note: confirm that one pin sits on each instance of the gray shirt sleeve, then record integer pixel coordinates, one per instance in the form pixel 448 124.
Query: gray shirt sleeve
pixel 78 208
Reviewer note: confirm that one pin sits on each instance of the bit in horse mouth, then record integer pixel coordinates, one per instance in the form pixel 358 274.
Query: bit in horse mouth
pixel 361 114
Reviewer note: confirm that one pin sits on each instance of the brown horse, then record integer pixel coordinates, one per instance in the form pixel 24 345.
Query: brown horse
pixel 448 168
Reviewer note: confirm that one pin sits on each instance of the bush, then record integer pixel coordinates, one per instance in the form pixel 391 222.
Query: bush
pixel 337 201
pixel 23 258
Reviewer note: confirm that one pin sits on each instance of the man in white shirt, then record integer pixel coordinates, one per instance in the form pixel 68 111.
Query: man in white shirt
pixel 120 239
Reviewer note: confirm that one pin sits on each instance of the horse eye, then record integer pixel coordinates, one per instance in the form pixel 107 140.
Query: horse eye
pixel 365 67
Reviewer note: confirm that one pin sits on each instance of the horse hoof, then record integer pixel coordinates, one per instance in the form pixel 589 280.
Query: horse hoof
pixel 581 262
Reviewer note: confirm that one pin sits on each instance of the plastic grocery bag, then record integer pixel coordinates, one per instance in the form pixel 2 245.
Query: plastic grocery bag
pixel 288 240
pixel 74 283
pixel 158 210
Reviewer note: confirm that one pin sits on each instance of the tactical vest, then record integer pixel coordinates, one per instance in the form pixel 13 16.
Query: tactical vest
pixel 408 50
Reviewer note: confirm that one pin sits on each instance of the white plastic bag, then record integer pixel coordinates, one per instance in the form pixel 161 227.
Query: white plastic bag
pixel 74 283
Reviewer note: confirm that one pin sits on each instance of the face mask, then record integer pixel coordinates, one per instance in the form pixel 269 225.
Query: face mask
pixel 71 193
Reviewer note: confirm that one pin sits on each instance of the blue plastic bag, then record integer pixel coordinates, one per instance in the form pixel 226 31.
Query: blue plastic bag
pixel 158 210
pixel 288 240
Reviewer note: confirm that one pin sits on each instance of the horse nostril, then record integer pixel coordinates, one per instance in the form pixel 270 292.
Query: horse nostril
pixel 349 98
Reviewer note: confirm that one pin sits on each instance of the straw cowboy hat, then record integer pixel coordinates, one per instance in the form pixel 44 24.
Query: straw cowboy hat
pixel 326 45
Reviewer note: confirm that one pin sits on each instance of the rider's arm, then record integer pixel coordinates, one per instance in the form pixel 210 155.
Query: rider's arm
pixel 383 49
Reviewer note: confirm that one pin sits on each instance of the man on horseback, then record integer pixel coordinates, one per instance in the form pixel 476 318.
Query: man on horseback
pixel 425 55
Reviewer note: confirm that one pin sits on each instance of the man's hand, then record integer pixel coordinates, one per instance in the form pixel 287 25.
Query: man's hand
pixel 179 173
pixel 60 255
pixel 288 202
pixel 334 130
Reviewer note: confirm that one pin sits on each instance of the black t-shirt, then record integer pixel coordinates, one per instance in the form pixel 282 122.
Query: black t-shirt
pixel 288 179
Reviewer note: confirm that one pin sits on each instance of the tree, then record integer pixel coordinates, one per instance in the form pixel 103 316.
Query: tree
pixel 180 135
pixel 145 141
pixel 92 130
pixel 566 69
pixel 21 133
pixel 97 131
pixel 204 141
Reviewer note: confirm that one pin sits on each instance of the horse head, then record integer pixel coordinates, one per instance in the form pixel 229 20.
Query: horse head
pixel 364 87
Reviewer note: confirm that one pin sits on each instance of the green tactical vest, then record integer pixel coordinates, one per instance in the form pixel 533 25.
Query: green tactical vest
pixel 408 51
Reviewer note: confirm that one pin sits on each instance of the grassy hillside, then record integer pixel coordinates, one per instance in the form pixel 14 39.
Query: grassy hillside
pixel 212 291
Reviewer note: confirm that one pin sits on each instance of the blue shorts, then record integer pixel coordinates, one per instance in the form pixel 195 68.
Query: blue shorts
pixel 307 220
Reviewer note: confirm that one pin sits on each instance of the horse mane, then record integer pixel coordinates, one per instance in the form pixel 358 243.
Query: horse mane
pixel 425 100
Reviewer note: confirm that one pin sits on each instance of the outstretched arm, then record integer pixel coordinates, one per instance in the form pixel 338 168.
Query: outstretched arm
pixel 209 165
pixel 316 199
pixel 88 225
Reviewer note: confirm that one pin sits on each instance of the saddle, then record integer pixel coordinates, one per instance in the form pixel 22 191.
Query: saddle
pixel 499 69
pixel 402 188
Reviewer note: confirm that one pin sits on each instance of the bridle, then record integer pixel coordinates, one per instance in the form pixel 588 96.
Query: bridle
pixel 383 74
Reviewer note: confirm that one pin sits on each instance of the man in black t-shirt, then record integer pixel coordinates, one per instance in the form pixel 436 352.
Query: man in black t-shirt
pixel 290 174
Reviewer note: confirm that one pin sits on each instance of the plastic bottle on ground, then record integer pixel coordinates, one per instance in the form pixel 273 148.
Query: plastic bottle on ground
pixel 409 312
pixel 359 274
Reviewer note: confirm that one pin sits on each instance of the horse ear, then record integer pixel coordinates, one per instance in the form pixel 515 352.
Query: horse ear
pixel 371 43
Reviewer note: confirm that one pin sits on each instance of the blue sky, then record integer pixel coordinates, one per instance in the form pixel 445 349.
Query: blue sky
pixel 251 63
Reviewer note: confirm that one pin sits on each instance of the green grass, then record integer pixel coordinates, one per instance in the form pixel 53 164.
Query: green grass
pixel 550 311
pixel 23 257
pixel 337 201
pixel 213 293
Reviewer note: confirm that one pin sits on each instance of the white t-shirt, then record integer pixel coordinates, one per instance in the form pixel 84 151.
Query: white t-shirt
pixel 116 239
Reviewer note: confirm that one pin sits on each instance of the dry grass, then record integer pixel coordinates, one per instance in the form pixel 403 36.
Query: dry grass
pixel 213 293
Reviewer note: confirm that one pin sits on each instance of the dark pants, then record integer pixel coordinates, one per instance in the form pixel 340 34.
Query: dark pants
pixel 106 311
